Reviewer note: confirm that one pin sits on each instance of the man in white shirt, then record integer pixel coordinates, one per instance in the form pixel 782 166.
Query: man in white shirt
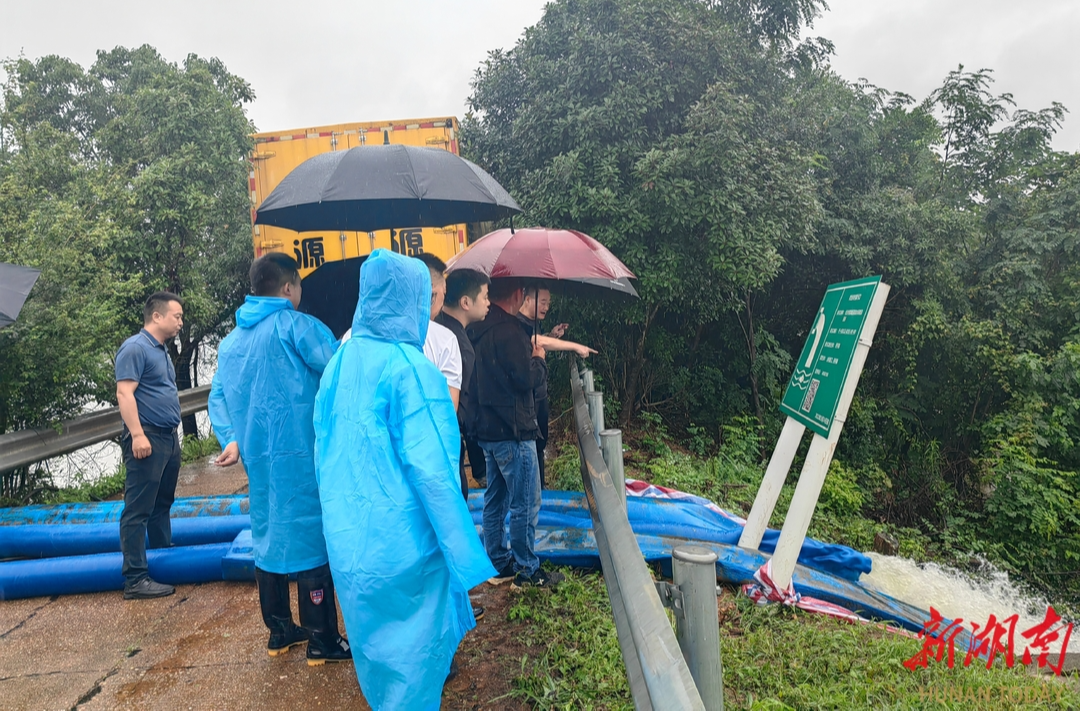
pixel 441 346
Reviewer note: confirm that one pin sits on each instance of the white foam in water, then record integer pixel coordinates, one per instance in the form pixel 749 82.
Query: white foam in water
pixel 955 594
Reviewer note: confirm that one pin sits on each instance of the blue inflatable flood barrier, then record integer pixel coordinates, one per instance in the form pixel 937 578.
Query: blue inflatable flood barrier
pixel 78 529
pixel 109 511
pixel 48 540
pixel 559 545
pixel 688 520
pixel 98 573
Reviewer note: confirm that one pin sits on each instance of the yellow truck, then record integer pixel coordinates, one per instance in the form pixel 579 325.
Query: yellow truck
pixel 329 261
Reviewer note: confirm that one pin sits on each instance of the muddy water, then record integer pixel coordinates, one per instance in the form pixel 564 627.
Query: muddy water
pixel 956 594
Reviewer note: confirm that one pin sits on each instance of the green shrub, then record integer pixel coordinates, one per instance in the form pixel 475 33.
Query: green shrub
pixel 194 449
pixel 85 491
pixel 563 471
pixel 1032 518
pixel 840 494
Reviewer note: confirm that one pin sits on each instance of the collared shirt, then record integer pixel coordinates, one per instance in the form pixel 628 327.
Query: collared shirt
pixel 146 361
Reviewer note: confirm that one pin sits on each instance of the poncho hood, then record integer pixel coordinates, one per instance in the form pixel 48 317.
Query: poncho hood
pixel 256 308
pixel 395 299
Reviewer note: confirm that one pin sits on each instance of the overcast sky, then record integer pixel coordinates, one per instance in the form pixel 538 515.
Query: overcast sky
pixel 333 61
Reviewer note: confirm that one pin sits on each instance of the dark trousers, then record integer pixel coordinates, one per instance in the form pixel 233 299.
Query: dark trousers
pixel 477 461
pixel 148 495
pixel 542 438
pixel 461 472
pixel 315 593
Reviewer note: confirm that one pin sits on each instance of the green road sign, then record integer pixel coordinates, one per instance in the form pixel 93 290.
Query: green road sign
pixel 813 393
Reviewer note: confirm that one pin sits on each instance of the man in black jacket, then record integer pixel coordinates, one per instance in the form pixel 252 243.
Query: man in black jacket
pixel 466 303
pixel 534 310
pixel 508 368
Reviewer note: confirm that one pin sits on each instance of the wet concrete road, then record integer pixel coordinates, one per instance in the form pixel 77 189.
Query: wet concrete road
pixel 205 648
pixel 202 648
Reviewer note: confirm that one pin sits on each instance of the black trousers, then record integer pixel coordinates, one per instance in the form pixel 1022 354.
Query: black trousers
pixel 477 461
pixel 542 439
pixel 148 495
pixel 461 472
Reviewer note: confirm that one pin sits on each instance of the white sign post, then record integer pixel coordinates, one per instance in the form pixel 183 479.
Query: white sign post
pixel 818 396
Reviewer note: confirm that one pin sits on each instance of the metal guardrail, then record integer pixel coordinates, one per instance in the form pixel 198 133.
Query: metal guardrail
pixel 26 447
pixel 659 676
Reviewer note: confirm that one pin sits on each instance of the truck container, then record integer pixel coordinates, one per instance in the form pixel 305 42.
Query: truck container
pixel 330 260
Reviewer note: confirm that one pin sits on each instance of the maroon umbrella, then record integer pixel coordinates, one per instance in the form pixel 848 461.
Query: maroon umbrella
pixel 570 261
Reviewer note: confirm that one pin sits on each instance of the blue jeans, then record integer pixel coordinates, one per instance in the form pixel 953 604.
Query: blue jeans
pixel 513 484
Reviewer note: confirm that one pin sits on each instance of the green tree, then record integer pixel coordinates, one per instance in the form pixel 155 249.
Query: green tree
pixel 656 127
pixel 152 155
pixel 737 175
pixel 180 136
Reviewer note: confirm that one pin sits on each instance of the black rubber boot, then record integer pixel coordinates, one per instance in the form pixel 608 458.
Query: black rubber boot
pixel 276 613
pixel 318 615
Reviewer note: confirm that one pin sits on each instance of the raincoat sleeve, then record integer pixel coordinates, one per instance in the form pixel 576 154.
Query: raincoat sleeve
pixel 424 429
pixel 219 414
pixel 313 341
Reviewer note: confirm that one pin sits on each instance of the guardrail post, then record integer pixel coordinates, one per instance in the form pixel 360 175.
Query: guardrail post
pixel 611 446
pixel 656 670
pixel 595 401
pixel 587 383
pixel 698 622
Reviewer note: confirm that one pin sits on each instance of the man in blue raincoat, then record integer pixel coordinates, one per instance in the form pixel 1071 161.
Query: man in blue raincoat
pixel 402 545
pixel 261 404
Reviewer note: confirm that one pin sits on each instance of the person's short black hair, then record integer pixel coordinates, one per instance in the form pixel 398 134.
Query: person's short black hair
pixel 270 272
pixel 158 303
pixel 464 282
pixel 503 288
pixel 532 287
pixel 436 265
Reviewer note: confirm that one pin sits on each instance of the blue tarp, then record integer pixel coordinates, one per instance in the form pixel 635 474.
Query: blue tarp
pixel 684 519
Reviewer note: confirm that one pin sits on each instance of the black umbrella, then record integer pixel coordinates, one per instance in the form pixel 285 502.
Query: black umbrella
pixel 15 285
pixel 370 188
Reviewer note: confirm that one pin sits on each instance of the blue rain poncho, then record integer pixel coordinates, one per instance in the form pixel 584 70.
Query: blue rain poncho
pixel 262 398
pixel 403 548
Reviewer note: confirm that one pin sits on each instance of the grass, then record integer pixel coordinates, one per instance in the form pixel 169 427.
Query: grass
pixel 773 658
pixel 194 449
pixel 582 666
pixel 84 491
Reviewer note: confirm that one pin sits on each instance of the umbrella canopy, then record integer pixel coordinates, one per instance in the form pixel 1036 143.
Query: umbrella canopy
pixel 571 261
pixel 15 285
pixel 370 188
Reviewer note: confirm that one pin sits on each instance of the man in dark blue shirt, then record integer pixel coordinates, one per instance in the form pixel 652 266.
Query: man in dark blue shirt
pixel 150 408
